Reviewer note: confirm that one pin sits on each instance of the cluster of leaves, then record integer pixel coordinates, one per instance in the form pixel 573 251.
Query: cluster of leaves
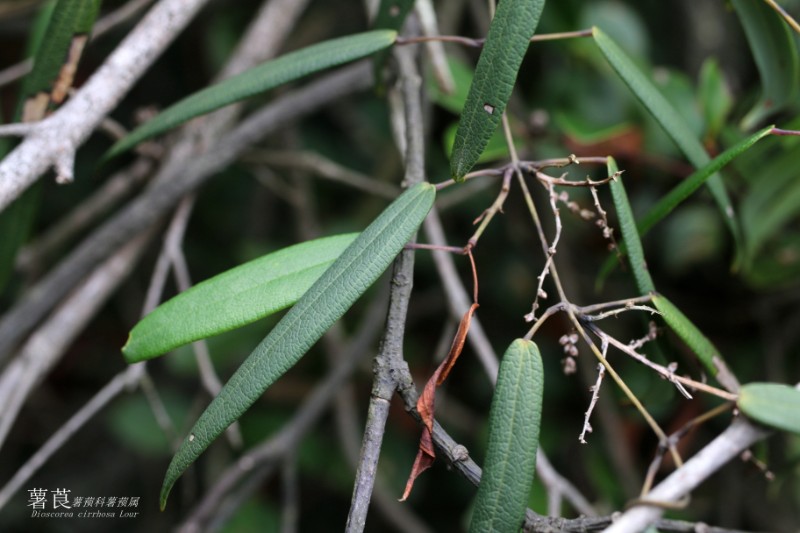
pixel 320 280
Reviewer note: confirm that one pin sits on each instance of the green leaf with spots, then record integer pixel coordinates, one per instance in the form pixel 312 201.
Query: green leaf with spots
pixel 772 404
pixel 672 122
pixel 512 27
pixel 514 421
pixel 630 235
pixel 267 76
pixel 234 298
pixel 318 309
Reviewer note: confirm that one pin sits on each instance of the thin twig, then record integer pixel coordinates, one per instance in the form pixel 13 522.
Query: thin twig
pixel 325 168
pixel 390 352
pixel 729 444
pixel 478 43
pixel 85 214
pixel 675 379
pixel 113 388
pixel 46 346
pixel 601 371
pixel 786 16
pixel 175 180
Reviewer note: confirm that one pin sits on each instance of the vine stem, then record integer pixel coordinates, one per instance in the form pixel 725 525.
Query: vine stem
pixel 570 310
pixel 478 43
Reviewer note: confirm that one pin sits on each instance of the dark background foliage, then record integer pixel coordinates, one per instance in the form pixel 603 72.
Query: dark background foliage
pixel 567 101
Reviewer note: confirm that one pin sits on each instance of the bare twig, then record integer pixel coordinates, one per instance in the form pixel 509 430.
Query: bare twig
pixel 325 168
pixel 117 385
pixel 390 352
pixel 601 371
pixel 441 70
pixel 115 188
pixel 43 350
pixel 56 138
pixel 728 445
pixel 458 298
pixel 47 345
pixel 174 181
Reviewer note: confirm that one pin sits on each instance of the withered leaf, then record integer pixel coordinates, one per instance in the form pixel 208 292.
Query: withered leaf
pixel 426 402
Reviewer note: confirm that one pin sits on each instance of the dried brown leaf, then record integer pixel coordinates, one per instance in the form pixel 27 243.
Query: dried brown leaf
pixel 426 402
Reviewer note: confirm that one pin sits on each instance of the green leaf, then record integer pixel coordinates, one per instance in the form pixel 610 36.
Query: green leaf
pixel 513 26
pixel 267 76
pixel 234 298
pixel 462 79
pixel 322 305
pixel 683 190
pixel 772 404
pixel 705 351
pixel 496 148
pixel 686 187
pixel 514 421
pixel 630 234
pixel 714 97
pixel 672 122
pixel 775 55
pixel 69 19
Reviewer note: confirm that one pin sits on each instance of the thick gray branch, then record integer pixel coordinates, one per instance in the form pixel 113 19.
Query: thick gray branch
pixel 54 141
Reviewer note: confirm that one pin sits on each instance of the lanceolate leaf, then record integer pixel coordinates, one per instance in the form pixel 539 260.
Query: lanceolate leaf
pixel 323 304
pixel 267 76
pixel 686 187
pixel 63 42
pixel 772 404
pixel 513 26
pixel 669 119
pixel 630 234
pixel 775 55
pixel 234 298
pixel 514 421
pixel 699 343
pixel 683 190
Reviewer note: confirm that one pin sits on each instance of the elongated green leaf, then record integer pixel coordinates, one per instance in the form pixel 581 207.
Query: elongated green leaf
pixel 672 122
pixel 234 298
pixel 512 27
pixel 267 76
pixel 775 55
pixel 322 305
pixel 686 187
pixel 702 347
pixel 70 18
pixel 630 235
pixel 682 191
pixel 714 97
pixel 514 421
pixel 773 404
